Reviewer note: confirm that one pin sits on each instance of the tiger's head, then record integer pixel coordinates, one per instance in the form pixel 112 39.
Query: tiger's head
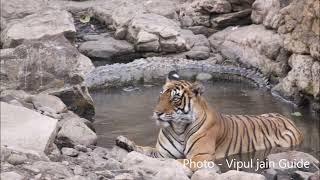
pixel 179 101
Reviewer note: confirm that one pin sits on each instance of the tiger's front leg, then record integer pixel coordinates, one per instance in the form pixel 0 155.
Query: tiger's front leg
pixel 129 145
pixel 199 150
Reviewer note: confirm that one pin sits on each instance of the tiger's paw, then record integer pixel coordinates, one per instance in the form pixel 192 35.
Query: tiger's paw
pixel 125 143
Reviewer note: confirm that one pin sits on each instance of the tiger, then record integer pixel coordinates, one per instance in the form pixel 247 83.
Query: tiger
pixel 192 130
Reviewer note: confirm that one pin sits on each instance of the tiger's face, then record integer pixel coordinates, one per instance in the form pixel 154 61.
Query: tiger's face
pixel 177 102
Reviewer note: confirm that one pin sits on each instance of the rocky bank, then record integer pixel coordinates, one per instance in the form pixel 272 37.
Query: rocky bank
pixel 49 56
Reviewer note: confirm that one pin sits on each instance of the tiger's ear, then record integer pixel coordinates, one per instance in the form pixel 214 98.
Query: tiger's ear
pixel 197 88
pixel 173 76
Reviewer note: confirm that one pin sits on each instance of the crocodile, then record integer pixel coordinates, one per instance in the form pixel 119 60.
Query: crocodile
pixel 155 68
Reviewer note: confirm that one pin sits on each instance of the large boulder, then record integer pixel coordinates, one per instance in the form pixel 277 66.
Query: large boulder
pixel 166 8
pixel 254 46
pixel 231 19
pixel 156 168
pixel 48 103
pixel 152 32
pixel 26 130
pixel 212 6
pixel 301 27
pixel 304 77
pixel 107 48
pixel 267 12
pixel 77 99
pixel 11 176
pixel 37 65
pixel 199 46
pixel 37 25
pixel 16 9
pixel 74 132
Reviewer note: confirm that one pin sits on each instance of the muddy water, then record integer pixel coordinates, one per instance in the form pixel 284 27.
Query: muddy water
pixel 120 112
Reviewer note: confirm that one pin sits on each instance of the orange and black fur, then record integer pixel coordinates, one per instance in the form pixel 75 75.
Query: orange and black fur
pixel 192 130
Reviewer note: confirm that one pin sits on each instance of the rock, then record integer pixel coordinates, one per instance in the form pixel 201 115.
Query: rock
pixel 78 99
pixel 35 26
pixel 11 176
pixel 20 8
pixel 105 173
pixel 75 132
pixel 189 15
pixel 166 8
pixel 118 153
pixel 50 104
pixel 202 30
pixel 101 151
pixel 284 161
pixel 239 5
pixel 17 97
pixel 300 27
pixel 267 12
pixel 301 175
pixel 270 173
pixel 81 148
pixel 17 159
pixel 125 11
pixel 101 161
pixel 124 176
pixel 231 19
pixel 58 64
pixel 315 176
pixel 203 77
pixel 5 153
pixel 304 77
pixel 240 175
pixel 156 168
pixel 18 130
pixel 66 163
pixel 32 169
pixel 69 152
pixel 78 170
pixel 53 168
pixel 77 177
pixel 198 53
pixel 107 48
pixel 198 44
pixel 253 46
pixel 14 94
pixel 205 174
pixel 147 29
pixel 213 6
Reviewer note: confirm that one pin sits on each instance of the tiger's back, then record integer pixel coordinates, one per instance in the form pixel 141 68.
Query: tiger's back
pixel 248 133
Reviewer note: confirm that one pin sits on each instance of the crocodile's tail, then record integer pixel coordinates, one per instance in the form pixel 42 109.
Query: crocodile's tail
pixel 256 77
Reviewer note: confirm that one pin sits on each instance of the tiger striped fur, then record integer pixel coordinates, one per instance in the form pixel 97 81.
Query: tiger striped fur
pixel 192 130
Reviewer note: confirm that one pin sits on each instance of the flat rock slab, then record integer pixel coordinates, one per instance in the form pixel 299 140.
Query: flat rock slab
pixel 37 25
pixel 106 47
pixel 25 130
